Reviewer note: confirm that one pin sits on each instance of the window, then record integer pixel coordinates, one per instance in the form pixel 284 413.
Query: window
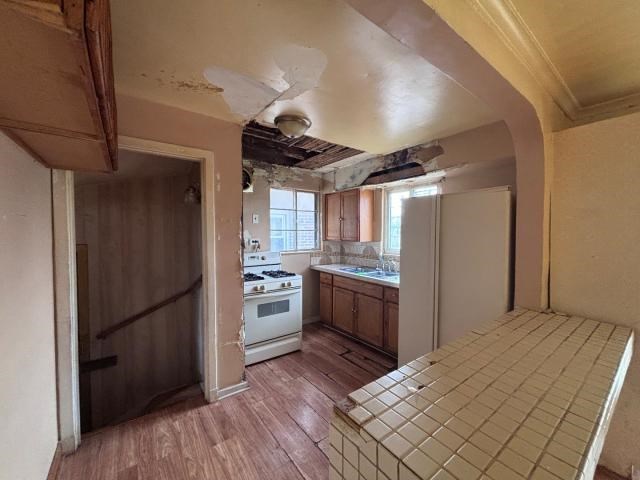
pixel 293 220
pixel 393 217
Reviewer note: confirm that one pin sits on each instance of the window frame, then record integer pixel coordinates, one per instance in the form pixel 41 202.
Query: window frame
pixel 387 210
pixel 316 210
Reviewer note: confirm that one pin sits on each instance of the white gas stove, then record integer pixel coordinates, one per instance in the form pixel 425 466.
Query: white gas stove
pixel 272 307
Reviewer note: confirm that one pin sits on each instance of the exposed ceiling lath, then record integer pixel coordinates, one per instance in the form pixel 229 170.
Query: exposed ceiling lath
pixel 267 144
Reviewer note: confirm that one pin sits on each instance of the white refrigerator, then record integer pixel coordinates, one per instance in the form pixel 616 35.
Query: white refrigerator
pixel 455 266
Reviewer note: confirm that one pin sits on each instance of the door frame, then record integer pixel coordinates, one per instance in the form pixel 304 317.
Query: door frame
pixel 65 284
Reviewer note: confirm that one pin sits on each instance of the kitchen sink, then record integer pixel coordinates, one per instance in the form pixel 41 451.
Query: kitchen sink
pixel 379 274
pixel 358 270
pixel 371 272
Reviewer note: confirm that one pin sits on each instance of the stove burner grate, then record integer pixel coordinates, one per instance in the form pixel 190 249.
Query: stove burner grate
pixel 250 277
pixel 278 274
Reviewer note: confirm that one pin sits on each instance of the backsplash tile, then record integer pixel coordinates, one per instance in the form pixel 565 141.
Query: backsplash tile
pixel 362 254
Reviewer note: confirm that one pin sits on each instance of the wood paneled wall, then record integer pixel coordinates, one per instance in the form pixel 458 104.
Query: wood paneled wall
pixel 143 246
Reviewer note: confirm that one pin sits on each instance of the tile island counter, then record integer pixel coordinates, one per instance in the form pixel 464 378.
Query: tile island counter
pixel 529 395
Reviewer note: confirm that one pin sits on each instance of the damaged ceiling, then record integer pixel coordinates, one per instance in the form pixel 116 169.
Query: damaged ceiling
pixel 244 60
pixel 266 144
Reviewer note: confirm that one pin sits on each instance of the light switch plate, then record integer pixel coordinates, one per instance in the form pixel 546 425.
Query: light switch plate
pixel 256 218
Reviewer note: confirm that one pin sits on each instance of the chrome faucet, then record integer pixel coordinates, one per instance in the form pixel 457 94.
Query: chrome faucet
pixel 394 266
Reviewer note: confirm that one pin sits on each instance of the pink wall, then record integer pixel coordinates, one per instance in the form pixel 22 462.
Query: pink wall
pixel 29 432
pixel 162 123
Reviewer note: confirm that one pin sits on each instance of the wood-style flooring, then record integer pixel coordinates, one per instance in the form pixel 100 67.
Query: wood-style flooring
pixel 276 430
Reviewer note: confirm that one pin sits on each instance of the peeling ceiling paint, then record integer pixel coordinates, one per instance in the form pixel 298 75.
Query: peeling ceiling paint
pixel 247 97
pixel 356 174
pixel 359 86
pixel 302 68
pixel 277 175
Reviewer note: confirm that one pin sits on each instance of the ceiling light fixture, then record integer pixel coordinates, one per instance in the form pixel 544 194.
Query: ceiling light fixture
pixel 292 126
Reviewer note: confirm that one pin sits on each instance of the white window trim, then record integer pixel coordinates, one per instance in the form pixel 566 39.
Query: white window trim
pixel 386 205
pixel 295 209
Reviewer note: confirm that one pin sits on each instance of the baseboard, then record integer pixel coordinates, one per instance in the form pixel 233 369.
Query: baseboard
pixel 68 445
pixel 315 319
pixel 229 391
pixel 55 463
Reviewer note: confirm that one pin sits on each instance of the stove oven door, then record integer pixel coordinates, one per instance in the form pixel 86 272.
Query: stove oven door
pixel 272 315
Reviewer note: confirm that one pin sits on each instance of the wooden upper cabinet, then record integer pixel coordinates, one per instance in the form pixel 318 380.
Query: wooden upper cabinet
pixel 56 80
pixel 350 229
pixel 349 216
pixel 332 216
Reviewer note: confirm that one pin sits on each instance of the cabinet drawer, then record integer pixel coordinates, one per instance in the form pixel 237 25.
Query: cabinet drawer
pixel 357 286
pixel 326 278
pixel 391 294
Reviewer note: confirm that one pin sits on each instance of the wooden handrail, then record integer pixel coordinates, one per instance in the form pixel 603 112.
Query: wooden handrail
pixel 98 364
pixel 133 318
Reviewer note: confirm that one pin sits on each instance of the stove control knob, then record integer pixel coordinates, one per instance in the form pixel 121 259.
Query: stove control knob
pixel 263 258
pixel 256 288
pixel 284 284
pixel 262 288
pixel 288 284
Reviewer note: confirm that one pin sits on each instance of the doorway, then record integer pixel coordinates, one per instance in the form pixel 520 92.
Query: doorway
pixel 139 279
pixel 66 324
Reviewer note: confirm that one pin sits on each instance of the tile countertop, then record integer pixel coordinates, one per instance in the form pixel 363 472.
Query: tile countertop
pixel 529 395
pixel 334 269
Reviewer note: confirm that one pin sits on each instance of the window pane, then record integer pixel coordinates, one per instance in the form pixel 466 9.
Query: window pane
pixel 282 198
pixel 283 219
pixel 306 201
pixel 394 219
pixel 394 233
pixel 307 240
pixel 293 220
pixel 282 240
pixel 425 191
pixel 306 220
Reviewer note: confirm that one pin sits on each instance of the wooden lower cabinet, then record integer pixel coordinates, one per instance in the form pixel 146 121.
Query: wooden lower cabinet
pixel 364 310
pixel 326 304
pixel 368 321
pixel 343 309
pixel 391 327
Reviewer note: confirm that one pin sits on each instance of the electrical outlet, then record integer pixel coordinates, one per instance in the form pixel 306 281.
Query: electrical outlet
pixel 256 218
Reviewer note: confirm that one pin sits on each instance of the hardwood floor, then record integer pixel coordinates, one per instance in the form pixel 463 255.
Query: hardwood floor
pixel 276 430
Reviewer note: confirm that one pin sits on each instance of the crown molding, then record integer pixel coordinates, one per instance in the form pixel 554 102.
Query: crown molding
pixel 504 19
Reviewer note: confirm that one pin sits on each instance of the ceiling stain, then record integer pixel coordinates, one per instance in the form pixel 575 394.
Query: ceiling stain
pixel 196 86
pixel 185 85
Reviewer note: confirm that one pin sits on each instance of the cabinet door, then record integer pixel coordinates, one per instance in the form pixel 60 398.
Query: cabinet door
pixel 391 327
pixel 332 216
pixel 369 319
pixel 350 216
pixel 343 309
pixel 326 304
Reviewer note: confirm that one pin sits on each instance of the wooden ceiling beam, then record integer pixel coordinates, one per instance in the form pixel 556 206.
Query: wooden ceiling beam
pixel 324 159
pixel 273 157
pixel 267 144
pixel 295 153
